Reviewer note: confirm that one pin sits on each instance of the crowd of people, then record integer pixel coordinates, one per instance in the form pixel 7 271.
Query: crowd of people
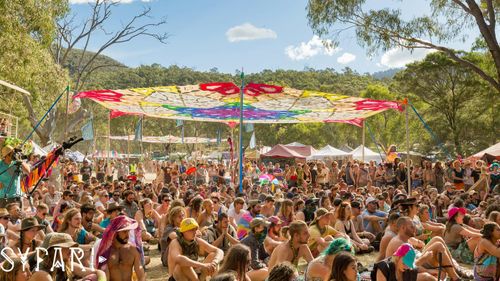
pixel 313 223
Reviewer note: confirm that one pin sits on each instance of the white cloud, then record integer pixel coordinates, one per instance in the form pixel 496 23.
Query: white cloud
pixel 309 49
pixel 346 58
pixel 400 57
pixel 92 1
pixel 247 31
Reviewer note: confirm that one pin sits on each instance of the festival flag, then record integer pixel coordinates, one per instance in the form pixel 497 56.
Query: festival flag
pixel 252 141
pixel 179 123
pixel 138 130
pixel 88 131
pixel 219 139
pixel 248 128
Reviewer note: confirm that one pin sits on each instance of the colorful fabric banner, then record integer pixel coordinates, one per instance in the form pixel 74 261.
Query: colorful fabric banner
pixel 88 131
pixel 138 131
pixel 248 127
pixel 219 102
pixel 252 144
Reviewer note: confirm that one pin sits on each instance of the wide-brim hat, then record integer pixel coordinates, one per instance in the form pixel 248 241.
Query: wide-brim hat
pixel 6 150
pixel 129 225
pixel 454 210
pixel 259 221
pixel 4 212
pixel 112 206
pixel 409 201
pixel 28 223
pixel 57 239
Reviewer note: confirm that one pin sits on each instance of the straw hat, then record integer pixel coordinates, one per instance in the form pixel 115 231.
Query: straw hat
pixel 28 223
pixel 6 150
pixel 56 239
pixel 4 212
pixel 112 206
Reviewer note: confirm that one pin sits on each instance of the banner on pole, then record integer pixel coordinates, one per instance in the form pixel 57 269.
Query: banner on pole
pixel 88 131
pixel 219 139
pixel 252 141
pixel 248 128
pixel 138 130
pixel 179 123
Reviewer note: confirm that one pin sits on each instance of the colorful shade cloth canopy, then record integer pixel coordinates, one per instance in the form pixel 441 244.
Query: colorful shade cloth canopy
pixel 220 102
pixel 166 139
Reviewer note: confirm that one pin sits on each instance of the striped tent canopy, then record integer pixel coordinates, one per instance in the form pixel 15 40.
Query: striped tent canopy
pixel 220 102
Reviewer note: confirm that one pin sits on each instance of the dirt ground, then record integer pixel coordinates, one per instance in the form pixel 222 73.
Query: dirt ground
pixel 155 270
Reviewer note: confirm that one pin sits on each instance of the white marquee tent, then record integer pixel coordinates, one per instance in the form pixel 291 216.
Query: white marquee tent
pixel 330 153
pixel 370 155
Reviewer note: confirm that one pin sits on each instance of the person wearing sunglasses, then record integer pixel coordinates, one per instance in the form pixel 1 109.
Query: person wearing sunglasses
pixel 42 211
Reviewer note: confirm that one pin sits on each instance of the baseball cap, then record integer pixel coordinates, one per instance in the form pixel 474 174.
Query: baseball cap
pixel 370 200
pixel 453 211
pixel 188 224
pixel 407 252
pixel 275 220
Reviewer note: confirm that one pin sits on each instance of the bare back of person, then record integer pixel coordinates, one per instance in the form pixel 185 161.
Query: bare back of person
pixel 281 253
pixel 121 262
pixel 384 243
pixel 393 245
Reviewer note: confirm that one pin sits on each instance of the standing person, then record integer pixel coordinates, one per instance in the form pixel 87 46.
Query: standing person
pixel 428 175
pixel 487 254
pixel 184 252
pixel 121 248
pixel 10 184
pixel 295 248
pixel 417 177
pixel 457 175
pixel 439 176
pixel 86 171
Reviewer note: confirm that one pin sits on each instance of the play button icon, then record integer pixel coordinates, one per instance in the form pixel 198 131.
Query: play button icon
pixel 102 259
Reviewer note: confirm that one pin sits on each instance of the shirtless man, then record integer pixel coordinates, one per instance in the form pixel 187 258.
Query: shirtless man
pixel 429 258
pixel 273 238
pixel 390 232
pixel 124 258
pixel 268 208
pixel 293 249
pixel 183 254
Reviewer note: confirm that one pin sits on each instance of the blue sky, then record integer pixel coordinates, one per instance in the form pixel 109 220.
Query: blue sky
pixel 253 34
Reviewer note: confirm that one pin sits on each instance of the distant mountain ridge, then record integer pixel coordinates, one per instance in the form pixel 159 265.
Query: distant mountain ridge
pixel 386 74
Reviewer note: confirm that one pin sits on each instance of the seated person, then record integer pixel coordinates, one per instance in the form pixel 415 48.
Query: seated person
pixel 320 268
pixel 295 248
pixel 321 233
pixel 460 238
pixel 373 219
pixel 184 251
pixel 221 234
pixel 487 254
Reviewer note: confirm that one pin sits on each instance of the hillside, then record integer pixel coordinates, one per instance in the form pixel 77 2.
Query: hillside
pixel 386 74
pixel 101 60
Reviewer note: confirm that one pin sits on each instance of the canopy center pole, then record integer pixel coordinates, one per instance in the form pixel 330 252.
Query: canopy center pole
pixel 240 143
pixel 408 151
pixel 363 140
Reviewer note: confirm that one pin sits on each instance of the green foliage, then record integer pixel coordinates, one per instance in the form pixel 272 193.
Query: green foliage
pixel 26 29
pixel 454 101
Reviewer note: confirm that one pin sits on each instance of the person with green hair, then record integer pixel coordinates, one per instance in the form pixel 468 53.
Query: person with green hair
pixel 320 268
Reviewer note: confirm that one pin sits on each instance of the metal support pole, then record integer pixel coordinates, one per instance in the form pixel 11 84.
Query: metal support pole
pixel 408 152
pixel 240 143
pixel 67 110
pixel 363 140
pixel 109 138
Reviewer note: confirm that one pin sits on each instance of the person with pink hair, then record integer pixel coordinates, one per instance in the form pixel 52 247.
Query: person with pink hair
pixel 120 253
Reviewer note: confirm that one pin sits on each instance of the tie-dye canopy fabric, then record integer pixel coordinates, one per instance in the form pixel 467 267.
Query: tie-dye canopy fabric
pixel 166 139
pixel 219 102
